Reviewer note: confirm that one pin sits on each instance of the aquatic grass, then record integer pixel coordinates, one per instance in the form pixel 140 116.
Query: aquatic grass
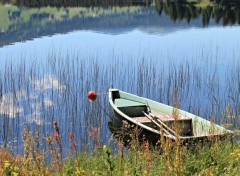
pixel 71 81
pixel 32 93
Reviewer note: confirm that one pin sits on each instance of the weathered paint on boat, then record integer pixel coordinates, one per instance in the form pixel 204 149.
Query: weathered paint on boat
pixel 132 110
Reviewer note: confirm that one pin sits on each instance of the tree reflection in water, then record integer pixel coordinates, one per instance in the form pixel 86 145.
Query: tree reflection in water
pixel 223 11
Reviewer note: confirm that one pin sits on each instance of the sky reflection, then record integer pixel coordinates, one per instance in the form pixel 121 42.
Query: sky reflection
pixel 221 42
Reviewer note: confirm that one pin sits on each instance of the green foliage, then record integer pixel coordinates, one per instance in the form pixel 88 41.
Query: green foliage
pixel 219 158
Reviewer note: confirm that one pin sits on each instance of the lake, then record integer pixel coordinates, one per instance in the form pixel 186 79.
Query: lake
pixel 52 56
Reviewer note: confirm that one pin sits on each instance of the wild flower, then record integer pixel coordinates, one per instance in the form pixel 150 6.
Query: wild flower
pixel 56 155
pixel 95 134
pixel 79 170
pixel 56 134
pixel 7 164
pixel 72 142
pixel 104 148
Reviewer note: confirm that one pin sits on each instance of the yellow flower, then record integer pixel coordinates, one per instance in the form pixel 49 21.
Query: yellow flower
pixel 14 174
pixel 6 164
pixel 76 161
pixel 104 148
pixel 79 171
pixel 145 173
pixel 232 153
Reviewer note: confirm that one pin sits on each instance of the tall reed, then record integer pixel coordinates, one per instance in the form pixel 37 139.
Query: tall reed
pixel 37 91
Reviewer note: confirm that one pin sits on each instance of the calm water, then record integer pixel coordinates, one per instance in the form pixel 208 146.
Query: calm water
pixel 51 57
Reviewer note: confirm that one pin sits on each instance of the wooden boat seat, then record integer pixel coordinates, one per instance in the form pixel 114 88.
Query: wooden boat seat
pixel 120 102
pixel 130 108
pixel 183 122
pixel 142 119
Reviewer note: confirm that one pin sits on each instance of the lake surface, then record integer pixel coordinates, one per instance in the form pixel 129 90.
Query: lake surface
pixel 52 56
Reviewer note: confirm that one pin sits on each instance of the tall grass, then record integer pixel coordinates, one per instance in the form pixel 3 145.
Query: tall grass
pixel 219 158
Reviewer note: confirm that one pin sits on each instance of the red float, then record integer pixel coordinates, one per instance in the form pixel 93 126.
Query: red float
pixel 92 95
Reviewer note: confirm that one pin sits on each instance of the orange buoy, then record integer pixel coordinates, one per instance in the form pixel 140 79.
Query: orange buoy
pixel 92 95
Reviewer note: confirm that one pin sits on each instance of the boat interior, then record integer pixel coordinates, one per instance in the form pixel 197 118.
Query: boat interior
pixel 160 117
pixel 142 113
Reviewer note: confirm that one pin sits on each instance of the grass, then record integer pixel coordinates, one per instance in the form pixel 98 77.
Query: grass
pixel 217 158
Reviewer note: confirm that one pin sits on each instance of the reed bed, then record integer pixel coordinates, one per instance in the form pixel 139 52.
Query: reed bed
pixel 45 116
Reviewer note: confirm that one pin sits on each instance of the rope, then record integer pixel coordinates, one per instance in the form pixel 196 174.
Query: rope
pixel 99 104
pixel 106 113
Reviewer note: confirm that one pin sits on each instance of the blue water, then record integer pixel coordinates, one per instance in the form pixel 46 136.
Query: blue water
pixel 93 59
pixel 222 43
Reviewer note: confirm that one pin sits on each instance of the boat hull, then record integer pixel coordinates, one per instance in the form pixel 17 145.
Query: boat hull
pixel 128 107
pixel 129 132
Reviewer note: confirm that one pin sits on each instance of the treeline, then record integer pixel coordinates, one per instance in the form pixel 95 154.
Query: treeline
pixel 75 3
pixel 227 13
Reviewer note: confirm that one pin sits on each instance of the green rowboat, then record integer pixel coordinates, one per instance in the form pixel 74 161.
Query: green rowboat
pixel 154 118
